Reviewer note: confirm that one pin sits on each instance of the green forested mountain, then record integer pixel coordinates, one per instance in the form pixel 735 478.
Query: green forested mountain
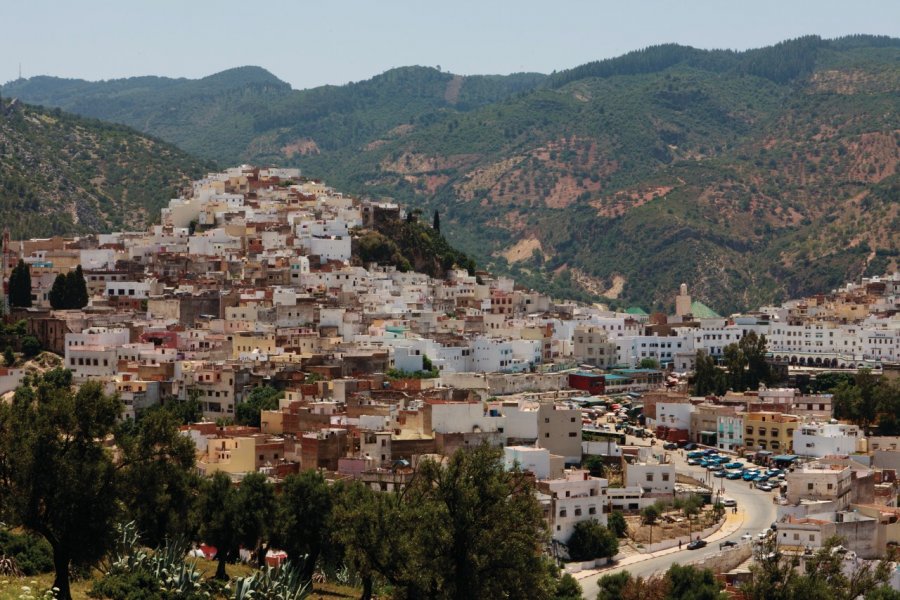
pixel 63 174
pixel 750 175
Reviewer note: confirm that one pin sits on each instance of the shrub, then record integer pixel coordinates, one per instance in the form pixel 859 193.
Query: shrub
pixel 32 554
pixel 591 540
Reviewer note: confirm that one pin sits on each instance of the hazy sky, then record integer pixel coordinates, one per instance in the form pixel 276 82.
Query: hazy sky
pixel 309 43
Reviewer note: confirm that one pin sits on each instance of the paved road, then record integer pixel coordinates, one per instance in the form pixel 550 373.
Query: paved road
pixel 758 513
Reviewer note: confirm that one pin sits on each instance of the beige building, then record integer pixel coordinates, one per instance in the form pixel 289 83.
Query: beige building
pixel 822 483
pixel 591 345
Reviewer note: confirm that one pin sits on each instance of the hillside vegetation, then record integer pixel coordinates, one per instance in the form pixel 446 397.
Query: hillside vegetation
pixel 752 175
pixel 63 174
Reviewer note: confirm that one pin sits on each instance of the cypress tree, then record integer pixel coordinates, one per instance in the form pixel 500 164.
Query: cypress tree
pixel 20 285
pixel 437 221
pixel 57 295
pixel 80 297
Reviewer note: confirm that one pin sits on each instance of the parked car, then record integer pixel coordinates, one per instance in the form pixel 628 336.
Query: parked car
pixel 713 467
pixel 696 544
pixel 764 487
pixel 747 536
pixel 749 475
pixel 730 502
pixel 719 473
pixel 734 465
pixel 690 446
pixel 693 461
pixel 732 475
pixel 670 446
pixel 694 454
pixel 727 544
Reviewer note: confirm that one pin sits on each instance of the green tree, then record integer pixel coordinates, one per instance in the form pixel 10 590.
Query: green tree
pixel 436 223
pixel 708 378
pixel 255 513
pixel 20 285
pixel 567 588
pixel 303 516
pixel 690 508
pixel 591 540
pixel 650 514
pixel 690 583
pixel 483 539
pixel 259 399
pixel 218 508
pixel 58 293
pixel 370 526
pixel 595 465
pixel 76 285
pixel 753 347
pixel 31 347
pixel 649 363
pixel 9 357
pixel 612 587
pixel 617 524
pixel 157 478
pixel 887 400
pixel 57 479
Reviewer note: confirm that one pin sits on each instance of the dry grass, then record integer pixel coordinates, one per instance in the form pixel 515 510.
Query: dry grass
pixel 640 534
pixel 11 587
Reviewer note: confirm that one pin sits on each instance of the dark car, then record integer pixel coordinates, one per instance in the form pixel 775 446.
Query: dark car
pixel 696 544
pixel 690 446
pixel 670 446
pixel 727 544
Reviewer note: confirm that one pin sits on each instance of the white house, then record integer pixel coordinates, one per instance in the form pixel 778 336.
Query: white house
pixel 826 439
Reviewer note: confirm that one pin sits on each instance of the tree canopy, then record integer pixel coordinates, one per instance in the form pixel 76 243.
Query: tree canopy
pixel 20 285
pixel 60 478
pixel 69 290
pixel 483 539
pixel 591 540
pixel 56 477
pixel 259 399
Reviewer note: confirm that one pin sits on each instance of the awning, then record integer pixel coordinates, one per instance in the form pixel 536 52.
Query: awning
pixel 707 433
pixel 785 458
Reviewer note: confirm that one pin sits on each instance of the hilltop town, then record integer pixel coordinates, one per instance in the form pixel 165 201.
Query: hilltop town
pixel 253 287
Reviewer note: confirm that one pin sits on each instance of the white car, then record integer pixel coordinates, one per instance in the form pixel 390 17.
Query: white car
pixel 747 536
pixel 729 502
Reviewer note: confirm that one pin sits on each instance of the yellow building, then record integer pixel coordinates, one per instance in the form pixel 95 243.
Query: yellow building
pixel 230 455
pixel 767 430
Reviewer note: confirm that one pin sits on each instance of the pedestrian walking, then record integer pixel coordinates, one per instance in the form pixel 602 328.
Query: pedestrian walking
pixel 679 544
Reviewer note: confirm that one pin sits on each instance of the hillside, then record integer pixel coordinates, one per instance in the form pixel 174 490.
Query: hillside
pixel 247 114
pixel 63 174
pixel 753 176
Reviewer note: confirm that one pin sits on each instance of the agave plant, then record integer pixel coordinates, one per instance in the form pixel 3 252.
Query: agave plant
pixel 272 583
pixel 166 563
pixel 9 567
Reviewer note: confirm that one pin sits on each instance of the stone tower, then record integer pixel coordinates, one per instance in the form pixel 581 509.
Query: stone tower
pixel 683 301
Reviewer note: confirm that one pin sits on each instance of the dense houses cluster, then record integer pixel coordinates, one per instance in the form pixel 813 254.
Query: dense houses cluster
pixel 251 280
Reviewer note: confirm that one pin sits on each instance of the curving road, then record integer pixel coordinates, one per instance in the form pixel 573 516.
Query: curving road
pixel 757 509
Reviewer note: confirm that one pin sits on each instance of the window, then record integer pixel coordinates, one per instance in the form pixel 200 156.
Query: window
pixel 577 512
pixel 592 510
pixel 830 486
pixel 562 512
pixel 573 433
pixel 665 476
pixel 649 476
pixel 809 487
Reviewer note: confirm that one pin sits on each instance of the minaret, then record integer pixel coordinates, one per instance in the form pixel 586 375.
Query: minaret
pixel 682 302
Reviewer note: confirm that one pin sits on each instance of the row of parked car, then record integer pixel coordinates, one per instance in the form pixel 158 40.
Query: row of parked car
pixel 729 468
